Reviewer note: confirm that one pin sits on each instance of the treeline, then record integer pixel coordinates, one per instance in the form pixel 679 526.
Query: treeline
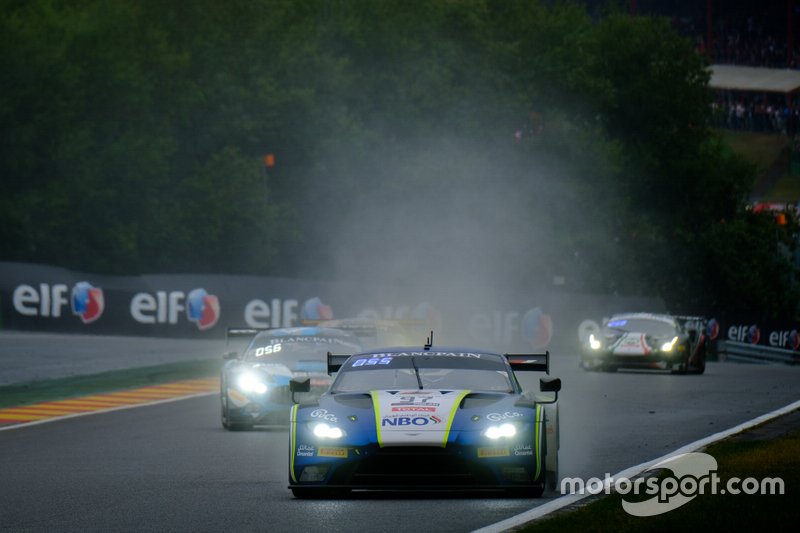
pixel 467 141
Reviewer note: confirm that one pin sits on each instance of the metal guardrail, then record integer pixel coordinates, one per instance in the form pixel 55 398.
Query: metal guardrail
pixel 743 352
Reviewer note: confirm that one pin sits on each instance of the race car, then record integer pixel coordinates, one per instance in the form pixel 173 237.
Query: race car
pixel 647 340
pixel 426 418
pixel 254 385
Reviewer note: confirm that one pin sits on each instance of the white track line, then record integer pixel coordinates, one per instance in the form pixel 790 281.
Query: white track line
pixel 569 499
pixel 99 411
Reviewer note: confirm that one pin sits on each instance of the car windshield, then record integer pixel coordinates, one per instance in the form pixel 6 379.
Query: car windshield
pixel 457 371
pixel 656 328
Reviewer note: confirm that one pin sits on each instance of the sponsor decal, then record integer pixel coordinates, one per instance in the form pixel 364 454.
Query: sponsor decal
pixel 471 355
pixel 276 313
pixel 493 452
pixel 324 415
pixel 497 417
pixel 785 339
pixel 164 307
pixel 340 453
pixel 523 449
pixel 537 328
pixel 533 326
pixel 632 344
pixel 304 450
pixel 87 302
pixel 749 334
pixel 313 309
pixel 312 337
pixel 414 409
pixel 399 420
pixel 202 309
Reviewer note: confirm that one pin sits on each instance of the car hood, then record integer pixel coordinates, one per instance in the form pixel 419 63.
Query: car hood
pixel 631 343
pixel 419 417
pixel 637 343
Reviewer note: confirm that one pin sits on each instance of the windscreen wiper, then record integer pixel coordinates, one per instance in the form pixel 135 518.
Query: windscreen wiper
pixel 416 371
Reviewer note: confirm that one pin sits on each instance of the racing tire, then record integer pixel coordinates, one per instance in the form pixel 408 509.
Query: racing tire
pixel 233 426
pixel 700 367
pixel 305 494
pixel 682 366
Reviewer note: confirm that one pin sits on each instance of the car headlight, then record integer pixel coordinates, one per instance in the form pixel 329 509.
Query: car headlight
pixel 668 346
pixel 249 382
pixel 594 343
pixel 503 430
pixel 324 431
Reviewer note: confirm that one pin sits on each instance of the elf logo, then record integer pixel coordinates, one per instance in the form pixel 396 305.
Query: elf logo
pixel 87 302
pixel 166 307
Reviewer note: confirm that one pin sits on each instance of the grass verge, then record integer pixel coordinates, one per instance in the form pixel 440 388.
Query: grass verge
pixel 59 389
pixel 736 458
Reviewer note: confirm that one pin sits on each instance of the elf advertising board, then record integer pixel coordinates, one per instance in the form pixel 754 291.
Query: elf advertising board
pixel 51 299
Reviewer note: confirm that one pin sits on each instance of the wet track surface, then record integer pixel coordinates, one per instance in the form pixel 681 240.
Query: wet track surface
pixel 172 467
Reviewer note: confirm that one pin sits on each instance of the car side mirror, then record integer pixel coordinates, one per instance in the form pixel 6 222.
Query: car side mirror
pixel 230 355
pixel 549 385
pixel 299 386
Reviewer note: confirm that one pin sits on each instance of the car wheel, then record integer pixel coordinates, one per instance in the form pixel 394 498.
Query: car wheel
pixel 681 367
pixel 224 418
pixel 700 367
pixel 304 494
pixel 233 426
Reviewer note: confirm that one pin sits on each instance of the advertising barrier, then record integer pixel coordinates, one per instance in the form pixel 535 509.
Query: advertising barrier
pixel 51 299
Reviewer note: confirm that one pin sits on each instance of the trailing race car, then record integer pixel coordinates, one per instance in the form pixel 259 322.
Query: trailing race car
pixel 427 418
pixel 645 340
pixel 254 385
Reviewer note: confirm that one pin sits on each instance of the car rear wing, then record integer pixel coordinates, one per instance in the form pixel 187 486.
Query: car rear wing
pixel 530 362
pixel 335 362
pixel 238 333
